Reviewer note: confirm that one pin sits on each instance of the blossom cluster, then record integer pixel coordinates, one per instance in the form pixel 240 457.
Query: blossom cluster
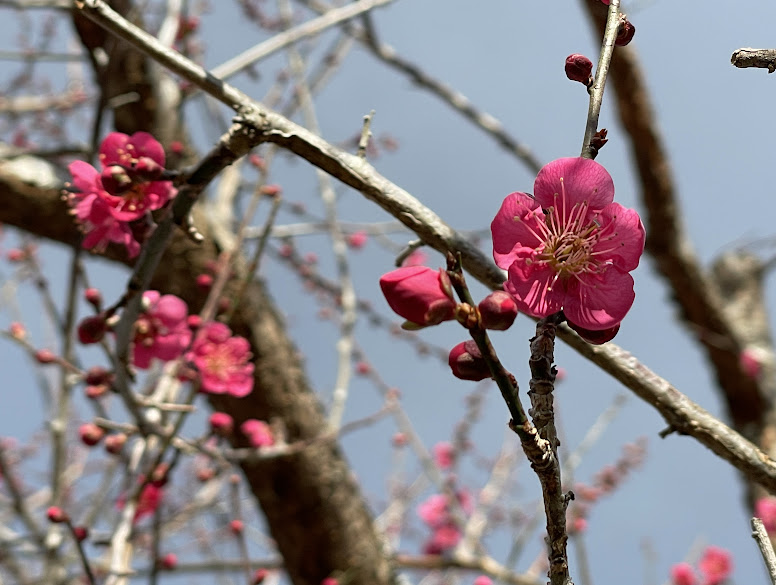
pixel 437 514
pixel 715 567
pixel 165 331
pixel 107 202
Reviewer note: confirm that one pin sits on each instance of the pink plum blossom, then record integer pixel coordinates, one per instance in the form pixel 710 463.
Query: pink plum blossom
pixel 765 510
pixel 223 361
pixel 357 240
pixel 258 432
pixel 161 330
pixel 683 574
pixel 143 157
pixel 716 564
pixel 569 246
pixel 443 538
pixel 444 455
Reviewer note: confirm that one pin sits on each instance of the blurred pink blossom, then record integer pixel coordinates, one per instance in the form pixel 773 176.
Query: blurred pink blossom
pixel 161 330
pixel 716 564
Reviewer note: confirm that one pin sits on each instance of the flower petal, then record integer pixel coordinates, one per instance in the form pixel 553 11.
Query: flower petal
pixel 583 180
pixel 622 236
pixel 599 301
pixel 515 226
pixel 533 285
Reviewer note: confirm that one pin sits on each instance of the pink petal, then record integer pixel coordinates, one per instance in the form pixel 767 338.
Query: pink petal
pixel 112 149
pixel 583 180
pixel 171 310
pixel 623 234
pixel 515 226
pixel 532 285
pixel 147 145
pixel 85 177
pixel 599 301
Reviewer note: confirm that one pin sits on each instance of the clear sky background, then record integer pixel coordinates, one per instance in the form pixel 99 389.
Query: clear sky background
pixel 507 58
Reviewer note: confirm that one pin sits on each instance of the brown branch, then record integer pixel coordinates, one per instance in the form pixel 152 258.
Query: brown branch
pixel 668 243
pixel 761 58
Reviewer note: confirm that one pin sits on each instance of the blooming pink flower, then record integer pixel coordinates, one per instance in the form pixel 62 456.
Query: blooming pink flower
pixel 419 294
pixel 161 330
pixel 444 455
pixel 683 574
pixel 143 158
pixel 223 361
pixel 258 432
pixel 715 565
pixel 569 246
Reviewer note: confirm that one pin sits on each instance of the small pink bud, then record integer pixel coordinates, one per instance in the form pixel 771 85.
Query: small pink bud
pixel 90 434
pixel 363 368
pixel 257 161
pixel 483 580
pixel 579 68
pixel 444 455
pixel 236 526
pixel 80 533
pixel 750 362
pixel 399 440
pixel 169 562
pixel 92 329
pixel 420 294
pixel 683 574
pixel 498 310
pixel 595 337
pixel 271 190
pixel 96 391
pixel 115 443
pixel 221 424
pixel 93 297
pixel 45 356
pixel 258 433
pixel 56 514
pixel 194 321
pixel 176 147
pixel 17 331
pixel 330 581
pixel 16 255
pixel 116 180
pixel 205 474
pixel 204 282
pixel 467 362
pixel 259 576
pixel 625 33
pixel 97 375
pixel 357 240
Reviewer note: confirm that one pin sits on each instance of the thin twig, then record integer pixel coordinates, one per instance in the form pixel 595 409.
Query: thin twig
pixel 766 547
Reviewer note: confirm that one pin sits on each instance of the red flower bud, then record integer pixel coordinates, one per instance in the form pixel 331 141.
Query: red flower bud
pixel 93 297
pixel 467 362
pixel 595 337
pixel 56 514
pixel 625 33
pixel 259 576
pixel 45 356
pixel 92 329
pixel 579 68
pixel 90 434
pixel 420 294
pixel 236 526
pixel 221 424
pixel 115 443
pixel 80 533
pixel 169 562
pixel 498 310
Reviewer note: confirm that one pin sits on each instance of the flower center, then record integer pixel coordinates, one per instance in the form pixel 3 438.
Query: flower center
pixel 219 361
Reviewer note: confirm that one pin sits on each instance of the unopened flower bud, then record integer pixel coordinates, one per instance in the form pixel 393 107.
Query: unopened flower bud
pixel 625 33
pixel 259 576
pixel 80 533
pixel 90 434
pixel 498 310
pixel 420 294
pixel 45 356
pixel 115 443
pixel 56 514
pixel 116 180
pixel 579 68
pixel 236 526
pixel 92 329
pixel 467 362
pixel 17 331
pixel 221 424
pixel 93 297
pixel 96 376
pixel 169 562
pixel 595 337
